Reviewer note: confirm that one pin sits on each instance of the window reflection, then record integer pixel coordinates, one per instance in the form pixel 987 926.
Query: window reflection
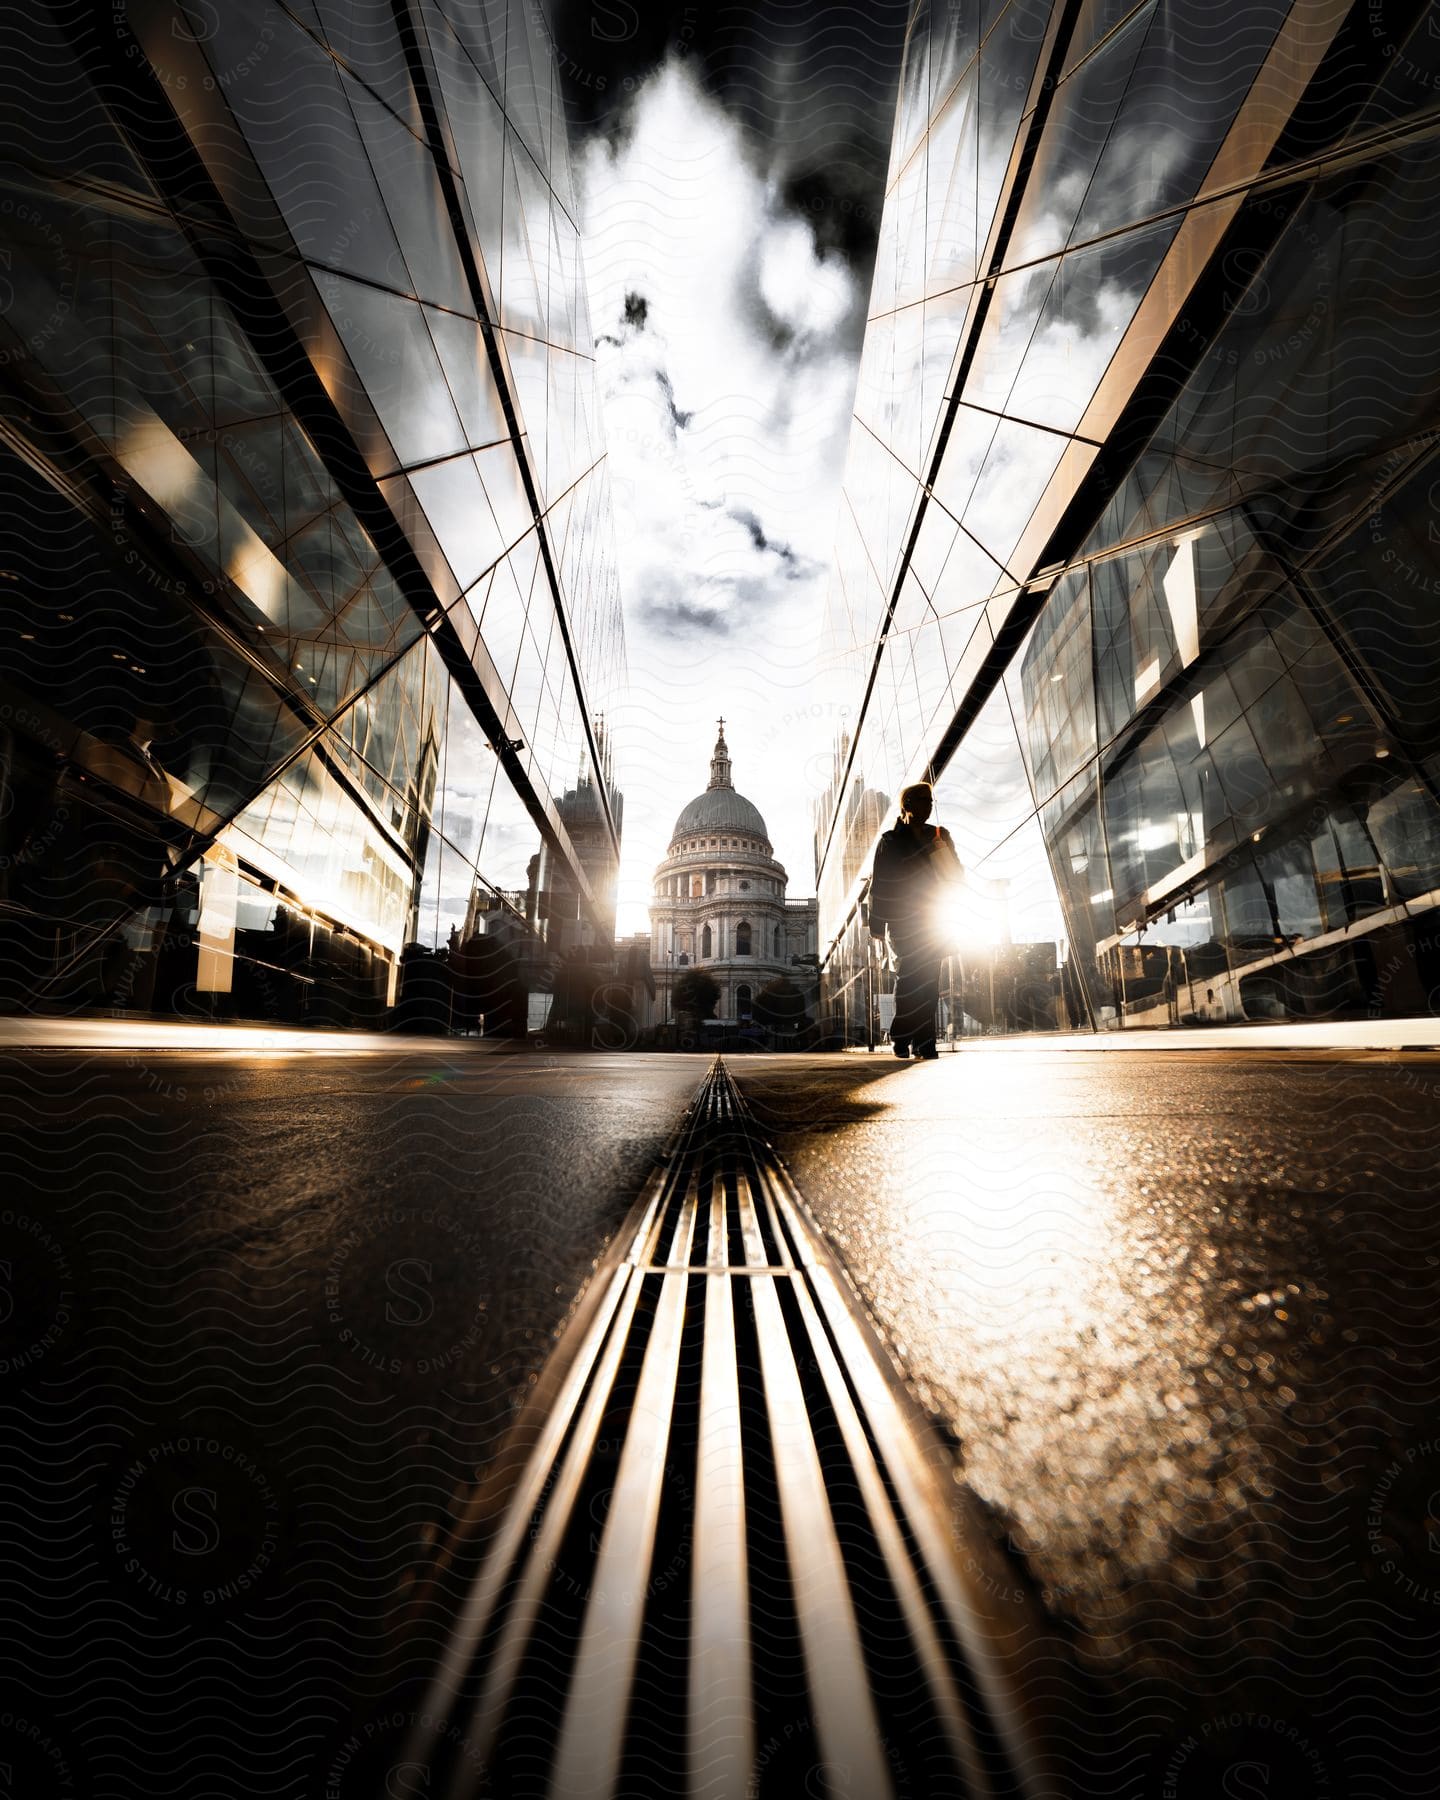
pixel 1225 715
pixel 231 663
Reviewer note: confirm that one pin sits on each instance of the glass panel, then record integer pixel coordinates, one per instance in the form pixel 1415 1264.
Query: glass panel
pixel 1405 826
pixel 502 623
pixel 1057 687
pixel 984 794
pixel 1146 164
pixel 953 224
pixel 511 840
pixel 54 123
pixel 481 30
pixel 460 516
pixel 1412 73
pixel 1007 66
pixel 1018 465
pixel 971 436
pixel 1380 584
pixel 306 832
pixel 415 204
pixel 913 109
pixel 332 206
pixel 1249 925
pixel 1097 19
pixel 1082 316
pixel 476 122
pixel 500 475
pixel 363 33
pixel 523 87
pixel 1289 873
pixel 1319 368
pixel 1081 119
pixel 394 356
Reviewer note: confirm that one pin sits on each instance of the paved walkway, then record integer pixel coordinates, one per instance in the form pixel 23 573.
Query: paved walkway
pixel 1338 1034
pixel 88 1033
pixel 1177 1312
pixel 273 1308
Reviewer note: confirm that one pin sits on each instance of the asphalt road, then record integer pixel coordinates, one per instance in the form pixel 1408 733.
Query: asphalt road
pixel 269 1315
pixel 1179 1312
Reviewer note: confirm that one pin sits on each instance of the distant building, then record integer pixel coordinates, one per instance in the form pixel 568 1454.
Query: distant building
pixel 720 902
pixel 568 924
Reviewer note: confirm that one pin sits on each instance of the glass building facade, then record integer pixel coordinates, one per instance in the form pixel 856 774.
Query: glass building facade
pixel 308 604
pixel 1138 553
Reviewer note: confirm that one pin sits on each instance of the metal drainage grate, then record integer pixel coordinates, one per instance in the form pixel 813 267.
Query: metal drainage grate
pixel 729 1566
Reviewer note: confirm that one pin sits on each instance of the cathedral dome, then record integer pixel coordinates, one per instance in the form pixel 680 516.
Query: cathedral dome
pixel 719 808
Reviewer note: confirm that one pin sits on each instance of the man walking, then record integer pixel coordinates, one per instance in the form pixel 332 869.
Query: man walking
pixel 916 873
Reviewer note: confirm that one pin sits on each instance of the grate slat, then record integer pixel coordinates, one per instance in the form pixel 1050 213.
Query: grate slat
pixel 685 1226
pixel 887 1531
pixel 716 1257
pixel 990 1639
pixel 848 1730
pixel 722 1739
pixel 591 1742
pixel 756 1255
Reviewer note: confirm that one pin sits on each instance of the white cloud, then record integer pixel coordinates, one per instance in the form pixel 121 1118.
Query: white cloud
pixel 810 293
pixel 727 402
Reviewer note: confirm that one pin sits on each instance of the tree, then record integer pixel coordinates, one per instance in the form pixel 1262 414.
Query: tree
pixel 697 993
pixel 780 1007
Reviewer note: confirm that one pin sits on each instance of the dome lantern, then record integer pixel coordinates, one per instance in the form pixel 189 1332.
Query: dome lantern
pixel 720 762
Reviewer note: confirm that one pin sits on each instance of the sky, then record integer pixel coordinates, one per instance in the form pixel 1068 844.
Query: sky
pixel 731 170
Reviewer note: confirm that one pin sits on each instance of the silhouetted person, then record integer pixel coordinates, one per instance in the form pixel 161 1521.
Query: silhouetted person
pixel 916 874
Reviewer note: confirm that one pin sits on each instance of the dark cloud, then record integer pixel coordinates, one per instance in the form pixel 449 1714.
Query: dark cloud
pixel 669 617
pixel 841 200
pixel 734 603
pixel 678 418
pixel 637 311
pixel 777 334
pixel 743 516
pixel 634 319
pixel 812 85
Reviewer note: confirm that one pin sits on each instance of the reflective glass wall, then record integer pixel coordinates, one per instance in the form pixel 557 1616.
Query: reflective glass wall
pixel 1138 552
pixel 308 605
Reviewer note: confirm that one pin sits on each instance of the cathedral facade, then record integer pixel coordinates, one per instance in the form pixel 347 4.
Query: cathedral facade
pixel 720 903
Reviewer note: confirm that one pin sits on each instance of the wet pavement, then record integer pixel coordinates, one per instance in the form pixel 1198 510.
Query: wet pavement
pixel 271 1312
pixel 1177 1309
pixel 269 1316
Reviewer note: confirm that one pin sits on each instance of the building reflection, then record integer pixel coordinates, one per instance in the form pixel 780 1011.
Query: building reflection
pixel 1136 554
pixel 309 594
